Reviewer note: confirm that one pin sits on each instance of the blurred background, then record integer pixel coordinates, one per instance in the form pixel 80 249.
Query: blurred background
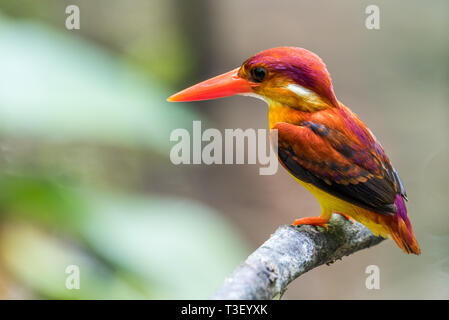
pixel 85 175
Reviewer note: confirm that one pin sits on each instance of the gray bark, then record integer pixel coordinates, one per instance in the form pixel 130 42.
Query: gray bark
pixel 290 252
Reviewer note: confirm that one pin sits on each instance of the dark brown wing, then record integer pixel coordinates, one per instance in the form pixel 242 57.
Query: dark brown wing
pixel 337 164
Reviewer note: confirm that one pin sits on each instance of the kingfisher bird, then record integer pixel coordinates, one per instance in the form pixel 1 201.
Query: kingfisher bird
pixel 321 142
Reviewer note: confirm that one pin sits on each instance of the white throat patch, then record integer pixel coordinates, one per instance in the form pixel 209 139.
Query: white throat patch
pixel 300 91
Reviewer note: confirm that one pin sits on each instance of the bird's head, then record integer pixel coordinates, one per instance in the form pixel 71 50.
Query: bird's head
pixel 289 76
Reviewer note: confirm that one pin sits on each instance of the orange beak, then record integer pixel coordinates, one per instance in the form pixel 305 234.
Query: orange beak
pixel 224 85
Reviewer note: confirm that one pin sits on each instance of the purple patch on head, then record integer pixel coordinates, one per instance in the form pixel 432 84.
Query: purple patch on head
pixel 300 65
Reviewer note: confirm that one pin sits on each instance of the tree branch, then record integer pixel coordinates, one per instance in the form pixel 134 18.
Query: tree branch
pixel 290 252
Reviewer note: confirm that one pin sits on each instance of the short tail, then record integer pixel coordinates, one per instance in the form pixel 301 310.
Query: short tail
pixel 401 229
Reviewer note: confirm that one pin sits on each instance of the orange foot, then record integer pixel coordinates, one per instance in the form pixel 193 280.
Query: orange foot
pixel 314 221
pixel 347 217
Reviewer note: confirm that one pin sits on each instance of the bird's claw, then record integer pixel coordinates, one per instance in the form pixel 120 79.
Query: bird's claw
pixel 347 217
pixel 314 221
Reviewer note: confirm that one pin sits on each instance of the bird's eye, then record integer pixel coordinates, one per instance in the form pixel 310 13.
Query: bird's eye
pixel 258 74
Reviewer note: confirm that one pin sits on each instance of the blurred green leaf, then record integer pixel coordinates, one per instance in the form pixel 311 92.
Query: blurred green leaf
pixel 41 199
pixel 184 247
pixel 40 261
pixel 172 248
pixel 59 87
